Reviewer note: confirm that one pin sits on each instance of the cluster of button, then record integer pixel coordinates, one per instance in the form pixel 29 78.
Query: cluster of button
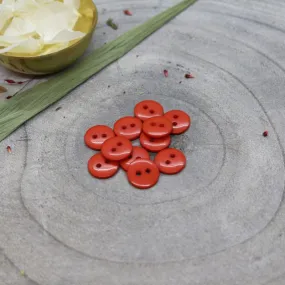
pixel 154 128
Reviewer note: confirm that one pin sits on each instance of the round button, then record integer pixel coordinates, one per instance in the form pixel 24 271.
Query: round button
pixel 143 173
pixel 95 136
pixel 138 153
pixel 170 161
pixel 129 127
pixel 157 127
pixel 154 145
pixel 180 121
pixel 99 167
pixel 148 109
pixel 116 148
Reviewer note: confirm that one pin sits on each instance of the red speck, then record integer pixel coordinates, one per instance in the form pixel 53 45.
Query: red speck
pixel 8 97
pixel 10 81
pixel 189 75
pixel 165 72
pixel 9 149
pixel 128 12
pixel 265 134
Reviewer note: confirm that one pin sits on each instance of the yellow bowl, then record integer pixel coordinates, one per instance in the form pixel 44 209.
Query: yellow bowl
pixel 56 61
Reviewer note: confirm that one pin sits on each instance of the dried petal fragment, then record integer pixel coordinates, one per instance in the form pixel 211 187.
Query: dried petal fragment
pixel 128 12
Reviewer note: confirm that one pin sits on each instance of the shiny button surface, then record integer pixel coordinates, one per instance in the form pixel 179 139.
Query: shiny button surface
pixel 143 173
pixel 99 167
pixel 170 161
pixel 97 135
pixel 180 121
pixel 116 148
pixel 154 145
pixel 157 127
pixel 138 153
pixel 148 109
pixel 129 127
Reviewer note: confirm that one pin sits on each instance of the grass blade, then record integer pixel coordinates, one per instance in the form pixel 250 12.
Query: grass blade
pixel 21 108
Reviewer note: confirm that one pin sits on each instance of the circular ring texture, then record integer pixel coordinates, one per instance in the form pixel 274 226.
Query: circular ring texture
pixel 143 173
pixel 97 135
pixel 219 221
pixel 170 161
pixel 129 127
pixel 154 145
pixel 148 109
pixel 99 167
pixel 116 148
pixel 157 127
pixel 180 121
pixel 137 153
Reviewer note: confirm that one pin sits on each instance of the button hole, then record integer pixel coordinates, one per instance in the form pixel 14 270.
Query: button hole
pixel 113 149
pixel 138 157
pixel 172 155
pixel 153 124
pixel 107 161
pixel 174 124
pixel 148 170
pixel 133 125
pixel 94 137
pixel 104 136
pixel 98 165
pixel 151 111
pixel 119 144
pixel 175 117
pixel 138 173
pixel 124 127
pixel 161 125
pixel 167 161
pixel 145 107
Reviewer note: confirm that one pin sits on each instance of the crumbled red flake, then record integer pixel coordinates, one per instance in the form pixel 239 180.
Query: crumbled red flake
pixel 189 75
pixel 9 149
pixel 165 72
pixel 265 133
pixel 128 12
pixel 10 81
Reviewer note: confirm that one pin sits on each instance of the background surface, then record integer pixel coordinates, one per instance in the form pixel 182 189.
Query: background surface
pixel 220 222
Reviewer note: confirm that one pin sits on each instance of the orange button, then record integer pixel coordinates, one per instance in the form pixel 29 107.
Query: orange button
pixel 99 167
pixel 180 121
pixel 129 127
pixel 170 161
pixel 154 145
pixel 116 148
pixel 96 135
pixel 138 152
pixel 143 173
pixel 148 109
pixel 157 127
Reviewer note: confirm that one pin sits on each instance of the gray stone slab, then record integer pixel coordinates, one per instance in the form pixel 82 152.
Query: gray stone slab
pixel 220 222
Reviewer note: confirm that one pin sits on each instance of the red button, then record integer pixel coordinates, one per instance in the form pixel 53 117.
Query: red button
pixel 138 153
pixel 143 173
pixel 129 127
pixel 116 148
pixel 157 127
pixel 99 167
pixel 180 121
pixel 148 109
pixel 170 161
pixel 154 145
pixel 96 135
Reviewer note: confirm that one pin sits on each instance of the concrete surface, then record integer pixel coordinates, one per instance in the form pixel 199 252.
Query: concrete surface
pixel 220 222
